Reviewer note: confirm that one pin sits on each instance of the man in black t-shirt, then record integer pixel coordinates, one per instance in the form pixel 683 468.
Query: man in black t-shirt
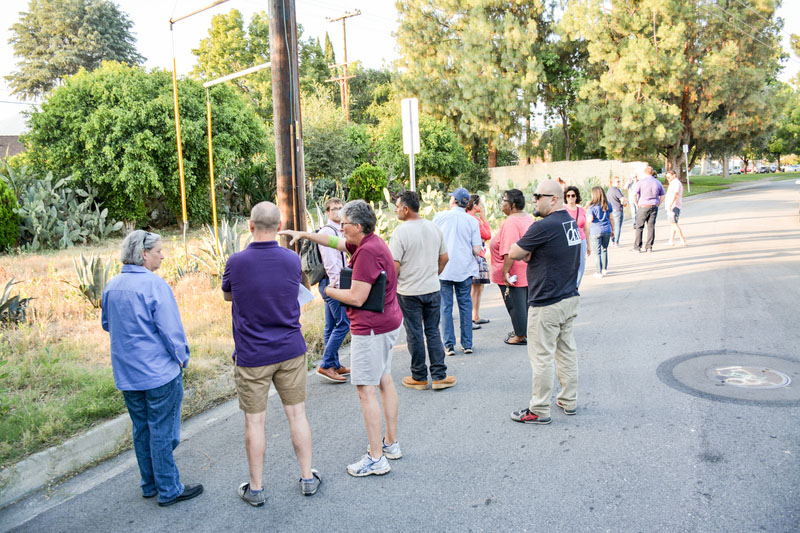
pixel 552 249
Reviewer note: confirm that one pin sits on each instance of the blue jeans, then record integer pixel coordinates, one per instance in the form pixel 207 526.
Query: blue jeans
pixel 464 298
pixel 600 249
pixel 617 217
pixel 421 319
pixel 336 327
pixel 156 418
pixel 582 265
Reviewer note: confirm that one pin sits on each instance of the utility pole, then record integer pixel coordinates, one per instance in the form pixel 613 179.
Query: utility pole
pixel 289 166
pixel 344 84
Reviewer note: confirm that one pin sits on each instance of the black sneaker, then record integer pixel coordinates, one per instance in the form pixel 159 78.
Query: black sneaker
pixel 526 417
pixel 189 492
pixel 566 410
pixel 449 350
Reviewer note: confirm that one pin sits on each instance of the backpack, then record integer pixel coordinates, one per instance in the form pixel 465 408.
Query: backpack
pixel 311 261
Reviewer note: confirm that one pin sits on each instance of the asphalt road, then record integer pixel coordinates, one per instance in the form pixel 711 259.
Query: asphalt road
pixel 656 444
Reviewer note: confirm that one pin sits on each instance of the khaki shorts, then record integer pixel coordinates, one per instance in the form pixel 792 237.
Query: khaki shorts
pixel 253 382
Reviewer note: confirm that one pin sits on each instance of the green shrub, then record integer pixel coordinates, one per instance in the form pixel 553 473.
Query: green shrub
pixel 9 219
pixel 57 216
pixel 367 182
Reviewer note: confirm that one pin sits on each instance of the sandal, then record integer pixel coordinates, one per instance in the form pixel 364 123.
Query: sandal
pixel 518 343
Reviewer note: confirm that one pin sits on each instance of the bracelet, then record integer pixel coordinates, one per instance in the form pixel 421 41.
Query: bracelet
pixel 333 241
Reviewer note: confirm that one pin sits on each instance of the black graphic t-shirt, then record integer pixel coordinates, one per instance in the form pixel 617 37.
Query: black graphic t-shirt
pixel 555 246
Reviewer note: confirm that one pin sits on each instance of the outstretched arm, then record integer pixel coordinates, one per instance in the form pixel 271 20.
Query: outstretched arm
pixel 325 240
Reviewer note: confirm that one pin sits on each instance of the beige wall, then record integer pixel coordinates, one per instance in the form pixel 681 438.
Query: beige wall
pixel 573 172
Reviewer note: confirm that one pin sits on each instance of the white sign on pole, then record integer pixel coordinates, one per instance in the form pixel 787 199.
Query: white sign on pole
pixel 410 111
pixel 685 148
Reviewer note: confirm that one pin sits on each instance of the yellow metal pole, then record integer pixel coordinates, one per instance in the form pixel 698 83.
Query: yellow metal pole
pixel 180 150
pixel 211 171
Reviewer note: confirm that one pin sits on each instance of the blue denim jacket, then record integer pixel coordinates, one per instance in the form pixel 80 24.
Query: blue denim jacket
pixel 148 344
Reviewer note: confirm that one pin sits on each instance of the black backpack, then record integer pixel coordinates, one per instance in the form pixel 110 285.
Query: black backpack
pixel 311 261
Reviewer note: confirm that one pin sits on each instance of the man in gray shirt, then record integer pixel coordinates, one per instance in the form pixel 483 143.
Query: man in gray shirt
pixel 420 255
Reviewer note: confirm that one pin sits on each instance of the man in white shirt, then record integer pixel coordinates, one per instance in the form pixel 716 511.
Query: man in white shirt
pixel 674 203
pixel 336 323
pixel 420 255
pixel 463 239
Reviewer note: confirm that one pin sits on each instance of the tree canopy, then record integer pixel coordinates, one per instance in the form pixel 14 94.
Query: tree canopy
pixel 473 62
pixel 56 38
pixel 113 129
pixel 674 73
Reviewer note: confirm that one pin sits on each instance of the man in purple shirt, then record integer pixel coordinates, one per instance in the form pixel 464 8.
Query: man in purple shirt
pixel 263 282
pixel 649 194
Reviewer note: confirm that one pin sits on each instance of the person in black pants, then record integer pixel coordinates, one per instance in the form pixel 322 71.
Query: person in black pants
pixel 649 194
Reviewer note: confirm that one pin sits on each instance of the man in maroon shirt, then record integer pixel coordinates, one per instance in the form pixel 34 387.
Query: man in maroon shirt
pixel 373 334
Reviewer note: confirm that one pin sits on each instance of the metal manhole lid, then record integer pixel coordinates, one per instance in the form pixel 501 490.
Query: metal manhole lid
pixel 749 377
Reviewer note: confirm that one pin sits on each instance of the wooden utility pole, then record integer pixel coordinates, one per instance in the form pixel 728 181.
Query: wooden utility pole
pixel 344 83
pixel 289 166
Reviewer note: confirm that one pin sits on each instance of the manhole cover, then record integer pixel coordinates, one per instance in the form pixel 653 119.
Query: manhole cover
pixel 732 376
pixel 749 377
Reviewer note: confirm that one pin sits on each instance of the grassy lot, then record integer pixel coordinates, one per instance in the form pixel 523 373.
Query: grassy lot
pixel 56 380
pixel 703 184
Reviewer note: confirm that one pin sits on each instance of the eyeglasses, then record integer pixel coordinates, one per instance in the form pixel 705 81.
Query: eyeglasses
pixel 571 195
pixel 537 196
pixel 146 233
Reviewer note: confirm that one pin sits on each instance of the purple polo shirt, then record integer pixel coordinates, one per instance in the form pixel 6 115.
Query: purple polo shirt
pixel 264 280
pixel 649 190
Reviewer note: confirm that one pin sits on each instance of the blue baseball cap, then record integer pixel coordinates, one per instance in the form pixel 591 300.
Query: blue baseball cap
pixel 461 195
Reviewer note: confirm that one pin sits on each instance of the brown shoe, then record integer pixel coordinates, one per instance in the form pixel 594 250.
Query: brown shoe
pixel 343 371
pixel 412 383
pixel 331 375
pixel 445 383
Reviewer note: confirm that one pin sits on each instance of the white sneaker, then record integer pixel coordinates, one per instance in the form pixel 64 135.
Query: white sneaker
pixel 598 275
pixel 366 466
pixel 605 272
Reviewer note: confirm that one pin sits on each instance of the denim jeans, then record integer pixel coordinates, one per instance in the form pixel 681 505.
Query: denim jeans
pixel 336 327
pixel 156 418
pixel 421 319
pixel 600 250
pixel 464 299
pixel 618 217
pixel 582 265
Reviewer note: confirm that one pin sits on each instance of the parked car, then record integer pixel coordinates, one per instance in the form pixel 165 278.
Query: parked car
pixel 791 168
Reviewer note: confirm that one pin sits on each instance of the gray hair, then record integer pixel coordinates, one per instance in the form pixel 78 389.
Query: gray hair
pixel 359 212
pixel 134 244
pixel 265 216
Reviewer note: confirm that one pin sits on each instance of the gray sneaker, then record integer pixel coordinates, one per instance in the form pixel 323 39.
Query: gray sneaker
pixel 309 488
pixel 366 466
pixel 256 500
pixel 449 350
pixel 390 452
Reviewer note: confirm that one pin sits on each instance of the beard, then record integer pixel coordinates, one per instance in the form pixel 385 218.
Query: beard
pixel 537 213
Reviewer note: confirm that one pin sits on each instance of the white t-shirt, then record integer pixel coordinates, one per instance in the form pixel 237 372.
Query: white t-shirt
pixel 674 194
pixel 417 245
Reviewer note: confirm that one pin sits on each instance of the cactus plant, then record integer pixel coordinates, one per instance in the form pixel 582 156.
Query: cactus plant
pixel 93 274
pixel 12 308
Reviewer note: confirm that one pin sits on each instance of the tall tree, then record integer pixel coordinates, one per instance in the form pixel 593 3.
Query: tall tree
pixel 230 48
pixel 786 139
pixel 677 73
pixel 473 62
pixel 330 55
pixel 54 39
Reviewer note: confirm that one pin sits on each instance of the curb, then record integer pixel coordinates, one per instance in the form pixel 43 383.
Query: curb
pixel 48 466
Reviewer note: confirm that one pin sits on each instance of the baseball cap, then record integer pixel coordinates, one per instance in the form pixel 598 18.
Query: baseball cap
pixel 461 195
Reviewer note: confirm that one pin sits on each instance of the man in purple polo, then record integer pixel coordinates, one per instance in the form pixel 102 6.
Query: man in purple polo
pixel 263 281
pixel 648 194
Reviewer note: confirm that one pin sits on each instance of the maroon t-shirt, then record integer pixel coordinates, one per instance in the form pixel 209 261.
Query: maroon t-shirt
pixel 368 260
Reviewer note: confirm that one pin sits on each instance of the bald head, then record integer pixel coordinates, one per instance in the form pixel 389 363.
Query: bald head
pixel 552 198
pixel 265 216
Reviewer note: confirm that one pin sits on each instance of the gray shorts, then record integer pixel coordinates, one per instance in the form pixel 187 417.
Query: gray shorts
pixel 371 356
pixel 673 216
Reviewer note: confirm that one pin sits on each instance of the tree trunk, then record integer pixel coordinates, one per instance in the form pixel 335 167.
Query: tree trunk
pixel 725 174
pixel 492 154
pixel 565 127
pixel 528 142
pixel 674 160
pixel 778 168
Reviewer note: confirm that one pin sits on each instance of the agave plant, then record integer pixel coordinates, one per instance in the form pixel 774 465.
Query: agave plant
pixel 93 274
pixel 213 255
pixel 12 308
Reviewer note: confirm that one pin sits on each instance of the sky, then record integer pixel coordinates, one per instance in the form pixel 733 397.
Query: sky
pixel 369 35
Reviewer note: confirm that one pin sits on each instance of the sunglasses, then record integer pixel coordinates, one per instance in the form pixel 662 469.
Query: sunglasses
pixel 571 195
pixel 146 234
pixel 537 196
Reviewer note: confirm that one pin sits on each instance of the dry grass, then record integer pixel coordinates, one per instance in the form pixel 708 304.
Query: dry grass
pixel 57 381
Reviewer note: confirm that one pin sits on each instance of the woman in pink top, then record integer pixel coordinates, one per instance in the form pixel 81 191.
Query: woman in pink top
pixel 507 273
pixel 475 209
pixel 573 198
pixel 674 203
